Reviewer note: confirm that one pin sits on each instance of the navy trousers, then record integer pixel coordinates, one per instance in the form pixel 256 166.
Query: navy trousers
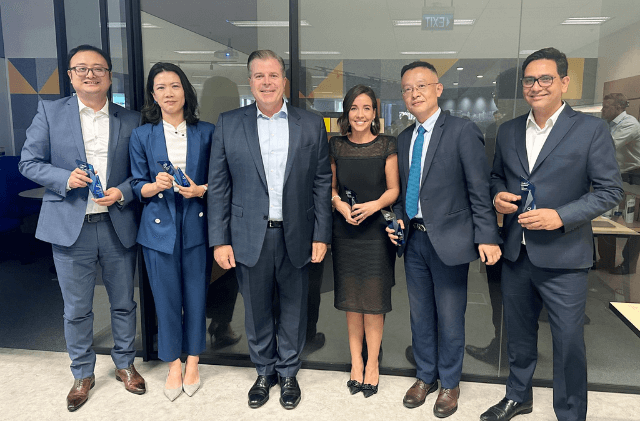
pixel 77 268
pixel 525 288
pixel 274 343
pixel 437 303
pixel 179 285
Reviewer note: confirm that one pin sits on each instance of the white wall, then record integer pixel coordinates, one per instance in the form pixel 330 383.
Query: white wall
pixel 618 57
pixel 28 28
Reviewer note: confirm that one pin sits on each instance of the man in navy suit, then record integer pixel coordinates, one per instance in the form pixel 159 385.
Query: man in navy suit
pixel 82 229
pixel 269 215
pixel 445 204
pixel 569 159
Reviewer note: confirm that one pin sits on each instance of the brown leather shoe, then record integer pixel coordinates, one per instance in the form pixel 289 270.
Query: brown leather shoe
pixel 79 393
pixel 417 393
pixel 132 380
pixel 447 402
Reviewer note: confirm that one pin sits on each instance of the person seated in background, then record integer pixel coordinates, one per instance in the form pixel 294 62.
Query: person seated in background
pixel 173 230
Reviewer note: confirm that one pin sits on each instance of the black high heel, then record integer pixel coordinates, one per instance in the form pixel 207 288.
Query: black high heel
pixel 369 390
pixel 354 386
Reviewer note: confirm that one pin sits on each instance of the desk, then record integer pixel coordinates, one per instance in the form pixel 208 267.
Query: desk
pixel 629 313
pixel 605 226
pixel 36 193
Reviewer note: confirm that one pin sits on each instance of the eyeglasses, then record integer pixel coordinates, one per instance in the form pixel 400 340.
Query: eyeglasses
pixel 543 81
pixel 83 71
pixel 420 88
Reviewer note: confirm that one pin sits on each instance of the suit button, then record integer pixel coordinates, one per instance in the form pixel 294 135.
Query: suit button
pixel 265 217
pixel 157 221
pixel 160 195
pixel 201 214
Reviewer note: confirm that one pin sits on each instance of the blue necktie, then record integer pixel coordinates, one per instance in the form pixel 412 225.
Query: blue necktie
pixel 413 185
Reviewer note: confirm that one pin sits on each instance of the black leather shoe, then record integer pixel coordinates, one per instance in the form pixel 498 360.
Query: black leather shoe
pixel 289 392
pixel 313 344
pixel 488 354
pixel 369 390
pixel 408 354
pixel 259 392
pixel 621 270
pixel 354 386
pixel 506 409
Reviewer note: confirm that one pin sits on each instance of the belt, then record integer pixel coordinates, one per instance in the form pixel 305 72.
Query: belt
pixel 97 217
pixel 274 224
pixel 418 224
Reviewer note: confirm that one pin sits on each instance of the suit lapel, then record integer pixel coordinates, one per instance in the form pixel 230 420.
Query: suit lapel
pixel 295 134
pixel 436 135
pixel 114 135
pixel 558 132
pixel 404 145
pixel 193 150
pixel 159 148
pixel 253 141
pixel 521 144
pixel 73 123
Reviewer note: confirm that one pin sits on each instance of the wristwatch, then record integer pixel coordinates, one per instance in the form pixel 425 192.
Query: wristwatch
pixel 206 188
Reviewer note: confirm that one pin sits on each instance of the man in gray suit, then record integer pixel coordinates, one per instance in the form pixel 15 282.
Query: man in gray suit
pixel 85 230
pixel 269 215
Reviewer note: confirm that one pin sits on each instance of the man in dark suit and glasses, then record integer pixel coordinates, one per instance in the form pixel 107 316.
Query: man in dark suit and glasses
pixel 269 215
pixel 444 203
pixel 569 158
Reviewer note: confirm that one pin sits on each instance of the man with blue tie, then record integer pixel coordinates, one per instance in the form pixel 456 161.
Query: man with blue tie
pixel 566 162
pixel 85 230
pixel 445 205
pixel 269 215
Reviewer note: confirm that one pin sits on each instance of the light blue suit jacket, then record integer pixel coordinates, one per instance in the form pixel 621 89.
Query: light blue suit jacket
pixel 158 225
pixel 238 193
pixel 54 142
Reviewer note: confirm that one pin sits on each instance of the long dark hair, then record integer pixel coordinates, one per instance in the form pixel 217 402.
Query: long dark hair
pixel 151 112
pixel 356 91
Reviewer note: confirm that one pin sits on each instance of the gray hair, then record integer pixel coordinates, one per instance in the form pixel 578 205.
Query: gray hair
pixel 264 55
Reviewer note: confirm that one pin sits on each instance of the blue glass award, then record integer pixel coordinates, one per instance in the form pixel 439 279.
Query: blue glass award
pixel 527 186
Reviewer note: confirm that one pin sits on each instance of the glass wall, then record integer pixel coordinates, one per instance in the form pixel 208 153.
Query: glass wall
pixel 477 47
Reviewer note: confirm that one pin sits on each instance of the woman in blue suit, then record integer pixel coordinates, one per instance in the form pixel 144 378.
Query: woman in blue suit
pixel 174 220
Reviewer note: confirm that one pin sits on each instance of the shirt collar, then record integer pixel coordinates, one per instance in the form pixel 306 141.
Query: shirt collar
pixel 181 128
pixel 283 113
pixel 83 108
pixel 430 122
pixel 619 118
pixel 551 121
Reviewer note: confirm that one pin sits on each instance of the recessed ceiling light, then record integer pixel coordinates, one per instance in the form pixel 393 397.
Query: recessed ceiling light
pixel 232 64
pixel 194 52
pixel 149 26
pixel 264 23
pixel 597 20
pixel 322 53
pixel 527 52
pixel 459 68
pixel 418 22
pixel 494 82
pixel 426 53
pixel 479 76
pixel 455 83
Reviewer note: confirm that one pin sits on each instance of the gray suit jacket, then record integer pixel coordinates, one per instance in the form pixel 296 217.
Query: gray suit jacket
pixel 238 202
pixel 54 142
pixel 576 174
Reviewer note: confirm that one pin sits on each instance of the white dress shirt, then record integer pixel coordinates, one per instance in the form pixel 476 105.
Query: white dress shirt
pixel 273 134
pixel 176 140
pixel 428 127
pixel 95 133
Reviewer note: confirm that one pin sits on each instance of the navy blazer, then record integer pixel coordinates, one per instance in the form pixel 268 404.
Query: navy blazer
pixel 238 200
pixel 54 142
pixel 578 155
pixel 454 192
pixel 158 223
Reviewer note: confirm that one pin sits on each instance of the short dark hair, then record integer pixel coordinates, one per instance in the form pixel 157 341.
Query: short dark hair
pixel 356 91
pixel 87 47
pixel 151 112
pixel 549 53
pixel 418 64
pixel 264 55
pixel 619 100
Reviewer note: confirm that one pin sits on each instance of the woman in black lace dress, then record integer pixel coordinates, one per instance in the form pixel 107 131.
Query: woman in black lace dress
pixel 365 169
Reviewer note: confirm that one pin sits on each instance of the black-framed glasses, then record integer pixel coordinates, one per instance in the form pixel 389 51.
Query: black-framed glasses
pixel 543 81
pixel 420 88
pixel 83 71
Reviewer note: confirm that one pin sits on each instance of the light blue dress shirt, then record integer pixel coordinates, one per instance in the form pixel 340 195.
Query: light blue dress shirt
pixel 273 134
pixel 428 126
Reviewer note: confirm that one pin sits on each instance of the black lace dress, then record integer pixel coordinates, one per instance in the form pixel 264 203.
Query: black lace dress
pixel 363 256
